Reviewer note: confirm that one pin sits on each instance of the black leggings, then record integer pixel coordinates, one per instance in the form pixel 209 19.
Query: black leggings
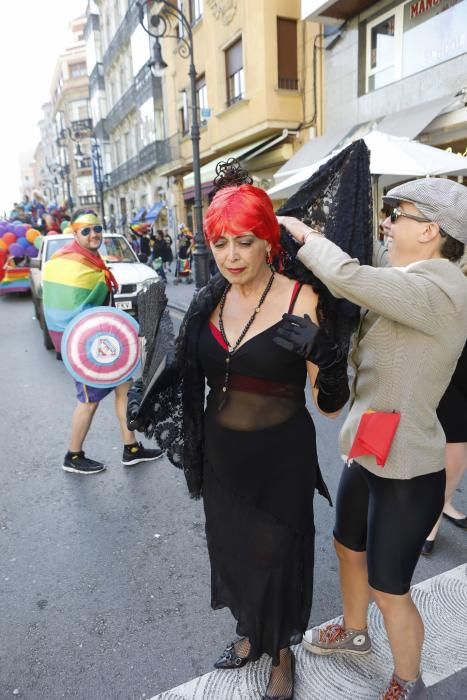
pixel 389 519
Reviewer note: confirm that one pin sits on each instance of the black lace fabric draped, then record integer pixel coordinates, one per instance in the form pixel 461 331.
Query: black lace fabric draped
pixel 337 201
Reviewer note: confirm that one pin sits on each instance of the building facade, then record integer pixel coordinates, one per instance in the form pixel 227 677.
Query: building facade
pixel 66 127
pixel 258 98
pixel 398 65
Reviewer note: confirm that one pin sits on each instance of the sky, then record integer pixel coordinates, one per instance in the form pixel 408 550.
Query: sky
pixel 34 33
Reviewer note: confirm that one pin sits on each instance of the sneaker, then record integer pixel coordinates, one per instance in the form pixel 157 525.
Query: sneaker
pixel 77 463
pixel 134 454
pixel 405 690
pixel 335 638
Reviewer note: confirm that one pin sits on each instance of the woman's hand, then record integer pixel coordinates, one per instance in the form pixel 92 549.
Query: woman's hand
pixel 297 228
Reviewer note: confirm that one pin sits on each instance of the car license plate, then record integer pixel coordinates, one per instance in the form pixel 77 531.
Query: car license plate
pixel 123 305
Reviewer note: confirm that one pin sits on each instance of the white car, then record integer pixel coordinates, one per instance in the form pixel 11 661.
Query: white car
pixel 131 274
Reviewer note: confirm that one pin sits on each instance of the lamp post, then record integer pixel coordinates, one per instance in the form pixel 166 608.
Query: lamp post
pixel 98 175
pixel 161 27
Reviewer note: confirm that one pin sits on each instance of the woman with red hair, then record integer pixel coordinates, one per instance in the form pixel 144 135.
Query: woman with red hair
pixel 260 466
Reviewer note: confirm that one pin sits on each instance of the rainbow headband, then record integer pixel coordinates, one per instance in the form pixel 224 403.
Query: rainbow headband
pixel 89 219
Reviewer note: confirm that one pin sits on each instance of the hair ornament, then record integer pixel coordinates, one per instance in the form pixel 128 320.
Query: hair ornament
pixel 230 173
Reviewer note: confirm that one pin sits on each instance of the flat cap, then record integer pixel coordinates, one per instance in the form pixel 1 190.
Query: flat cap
pixel 439 199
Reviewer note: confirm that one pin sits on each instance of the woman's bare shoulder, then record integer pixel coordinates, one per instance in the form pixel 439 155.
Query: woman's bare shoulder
pixel 306 302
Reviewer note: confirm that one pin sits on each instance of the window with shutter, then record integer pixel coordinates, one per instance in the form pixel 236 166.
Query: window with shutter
pixel 234 73
pixel 287 65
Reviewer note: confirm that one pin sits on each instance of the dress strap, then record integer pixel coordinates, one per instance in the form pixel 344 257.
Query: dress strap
pixel 295 293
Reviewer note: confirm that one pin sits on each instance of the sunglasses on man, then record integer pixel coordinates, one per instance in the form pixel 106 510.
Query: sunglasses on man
pixel 87 230
pixel 397 212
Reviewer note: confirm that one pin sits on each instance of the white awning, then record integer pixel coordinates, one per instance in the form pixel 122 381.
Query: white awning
pixel 208 171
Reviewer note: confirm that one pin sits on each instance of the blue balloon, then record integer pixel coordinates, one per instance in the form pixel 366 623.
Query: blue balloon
pixel 23 242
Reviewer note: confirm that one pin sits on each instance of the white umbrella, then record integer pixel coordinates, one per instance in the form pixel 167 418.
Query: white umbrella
pixel 389 155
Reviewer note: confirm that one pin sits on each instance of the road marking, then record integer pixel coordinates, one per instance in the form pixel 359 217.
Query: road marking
pixel 442 602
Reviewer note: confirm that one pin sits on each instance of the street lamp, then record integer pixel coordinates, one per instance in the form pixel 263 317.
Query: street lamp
pixel 161 27
pixel 98 175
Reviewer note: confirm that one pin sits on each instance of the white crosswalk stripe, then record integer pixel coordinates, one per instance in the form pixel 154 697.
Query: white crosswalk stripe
pixel 442 601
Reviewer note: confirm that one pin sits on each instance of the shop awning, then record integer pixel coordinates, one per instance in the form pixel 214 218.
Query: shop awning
pixel 208 171
pixel 407 123
pixel 154 211
pixel 310 152
pixel 412 121
pixel 138 216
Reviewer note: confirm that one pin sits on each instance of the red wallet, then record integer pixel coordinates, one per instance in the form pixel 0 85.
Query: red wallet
pixel 375 434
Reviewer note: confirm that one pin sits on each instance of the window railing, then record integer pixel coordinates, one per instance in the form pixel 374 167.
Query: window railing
pixel 86 199
pixel 81 127
pixel 152 155
pixel 288 83
pixel 143 87
pixel 97 79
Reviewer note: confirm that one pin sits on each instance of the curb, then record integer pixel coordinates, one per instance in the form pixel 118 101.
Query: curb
pixel 177 307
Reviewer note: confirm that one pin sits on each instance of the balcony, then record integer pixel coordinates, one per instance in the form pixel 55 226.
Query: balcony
pixel 151 156
pixel 80 128
pixel 143 87
pixel 122 35
pixel 86 200
pixel 97 79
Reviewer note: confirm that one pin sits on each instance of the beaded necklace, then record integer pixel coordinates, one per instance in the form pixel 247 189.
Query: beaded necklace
pixel 233 348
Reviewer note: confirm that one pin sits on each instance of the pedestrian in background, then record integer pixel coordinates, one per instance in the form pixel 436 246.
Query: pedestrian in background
pixel 404 356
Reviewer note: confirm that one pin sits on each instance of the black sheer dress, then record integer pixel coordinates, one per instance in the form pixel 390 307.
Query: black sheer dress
pixel 260 472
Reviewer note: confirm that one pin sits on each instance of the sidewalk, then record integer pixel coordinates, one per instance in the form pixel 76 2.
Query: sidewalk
pixel 440 601
pixel 179 295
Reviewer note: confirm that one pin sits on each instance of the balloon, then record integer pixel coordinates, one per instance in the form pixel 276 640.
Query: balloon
pixel 9 237
pixel 38 241
pixel 3 244
pixel 64 225
pixel 31 251
pixel 31 234
pixel 17 250
pixel 23 242
pixel 68 230
pixel 21 229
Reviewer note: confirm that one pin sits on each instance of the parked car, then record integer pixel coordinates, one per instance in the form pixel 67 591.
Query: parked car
pixel 131 274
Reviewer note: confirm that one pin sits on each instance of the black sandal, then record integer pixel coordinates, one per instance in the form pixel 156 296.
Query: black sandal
pixel 230 658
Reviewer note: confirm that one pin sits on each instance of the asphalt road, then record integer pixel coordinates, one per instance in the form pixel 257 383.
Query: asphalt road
pixel 104 584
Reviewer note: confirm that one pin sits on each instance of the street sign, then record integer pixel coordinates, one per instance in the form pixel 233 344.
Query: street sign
pixel 205 112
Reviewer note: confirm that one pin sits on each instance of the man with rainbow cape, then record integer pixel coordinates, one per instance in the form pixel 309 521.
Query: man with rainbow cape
pixel 76 278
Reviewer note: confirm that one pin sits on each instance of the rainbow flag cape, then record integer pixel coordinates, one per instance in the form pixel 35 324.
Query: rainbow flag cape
pixel 74 280
pixel 15 279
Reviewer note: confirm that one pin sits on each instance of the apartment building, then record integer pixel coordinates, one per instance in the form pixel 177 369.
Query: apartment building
pixel 66 127
pixel 258 86
pixel 258 89
pixel 127 110
pixel 398 66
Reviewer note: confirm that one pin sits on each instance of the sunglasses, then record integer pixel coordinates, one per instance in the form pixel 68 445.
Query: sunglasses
pixel 397 212
pixel 87 230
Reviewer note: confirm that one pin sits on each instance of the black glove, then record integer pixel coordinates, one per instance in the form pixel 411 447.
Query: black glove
pixel 302 336
pixel 305 338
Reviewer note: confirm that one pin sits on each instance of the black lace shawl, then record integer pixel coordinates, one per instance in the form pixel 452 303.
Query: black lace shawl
pixel 176 414
pixel 337 199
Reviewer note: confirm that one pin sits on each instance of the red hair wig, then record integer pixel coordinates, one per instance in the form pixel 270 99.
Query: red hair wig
pixel 236 209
